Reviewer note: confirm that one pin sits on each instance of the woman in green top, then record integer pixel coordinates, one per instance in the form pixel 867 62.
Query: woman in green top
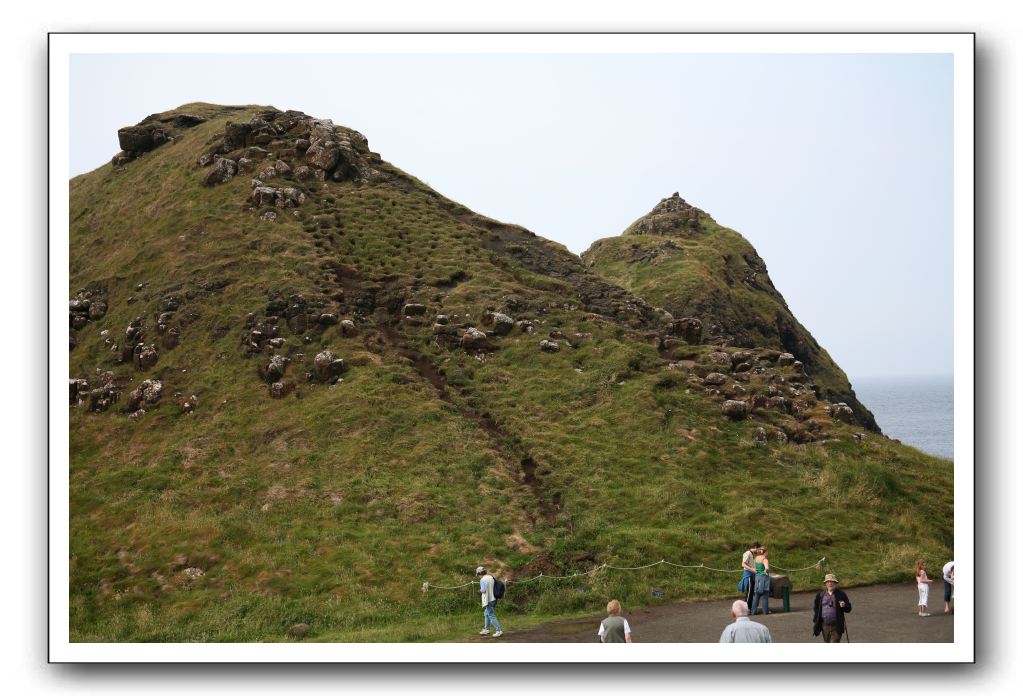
pixel 761 581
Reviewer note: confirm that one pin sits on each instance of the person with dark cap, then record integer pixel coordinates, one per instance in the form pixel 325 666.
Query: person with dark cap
pixel 829 609
pixel 489 602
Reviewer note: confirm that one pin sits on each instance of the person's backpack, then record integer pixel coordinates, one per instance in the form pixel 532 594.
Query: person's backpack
pixel 498 589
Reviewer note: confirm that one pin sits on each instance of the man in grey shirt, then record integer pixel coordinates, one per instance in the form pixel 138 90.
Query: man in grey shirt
pixel 743 630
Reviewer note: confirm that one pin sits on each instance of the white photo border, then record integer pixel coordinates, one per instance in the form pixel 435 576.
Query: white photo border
pixel 960 45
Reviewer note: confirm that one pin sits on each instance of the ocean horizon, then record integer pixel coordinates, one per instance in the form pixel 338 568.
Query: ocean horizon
pixel 918 410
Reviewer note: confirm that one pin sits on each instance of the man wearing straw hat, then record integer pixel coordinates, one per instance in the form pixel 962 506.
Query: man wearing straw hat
pixel 829 609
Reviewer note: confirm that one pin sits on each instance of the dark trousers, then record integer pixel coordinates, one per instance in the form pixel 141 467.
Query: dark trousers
pixel 749 594
pixel 831 633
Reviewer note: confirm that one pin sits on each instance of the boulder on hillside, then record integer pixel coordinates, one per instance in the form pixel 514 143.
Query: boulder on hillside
pixel 413 310
pixel 549 346
pixel 274 370
pixel 101 398
pixel 79 389
pixel 145 356
pixel 145 396
pixel 221 172
pixel 327 366
pixel 473 339
pixel 323 157
pixel 715 378
pixel 502 324
pixel 347 327
pixel 736 410
pixel 786 359
pixel 720 358
pixel 842 412
pixel 279 390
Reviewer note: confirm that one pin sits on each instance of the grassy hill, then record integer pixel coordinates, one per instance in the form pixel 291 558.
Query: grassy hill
pixel 296 399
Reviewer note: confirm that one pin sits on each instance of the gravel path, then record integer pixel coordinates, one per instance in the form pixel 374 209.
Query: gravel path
pixel 881 614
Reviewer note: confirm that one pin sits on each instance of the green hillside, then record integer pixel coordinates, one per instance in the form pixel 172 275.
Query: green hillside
pixel 301 390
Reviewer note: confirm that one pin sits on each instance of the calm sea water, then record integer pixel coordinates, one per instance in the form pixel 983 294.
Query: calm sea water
pixel 916 410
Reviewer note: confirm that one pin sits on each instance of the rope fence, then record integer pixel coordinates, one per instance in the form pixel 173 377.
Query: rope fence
pixel 605 566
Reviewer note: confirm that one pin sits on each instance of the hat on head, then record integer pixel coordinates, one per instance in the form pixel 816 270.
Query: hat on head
pixel 830 577
pixel 480 570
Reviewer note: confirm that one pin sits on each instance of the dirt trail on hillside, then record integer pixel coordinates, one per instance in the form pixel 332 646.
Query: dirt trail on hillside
pixel 881 614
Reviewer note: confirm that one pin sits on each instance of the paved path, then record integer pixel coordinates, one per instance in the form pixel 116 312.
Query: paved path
pixel 881 614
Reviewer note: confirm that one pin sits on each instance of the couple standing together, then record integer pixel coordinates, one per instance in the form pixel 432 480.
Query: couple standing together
pixel 756 581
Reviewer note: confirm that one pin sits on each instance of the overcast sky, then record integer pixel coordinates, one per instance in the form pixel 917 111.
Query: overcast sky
pixel 837 168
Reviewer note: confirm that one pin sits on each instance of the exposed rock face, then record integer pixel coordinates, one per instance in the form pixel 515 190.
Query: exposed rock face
pixel 689 328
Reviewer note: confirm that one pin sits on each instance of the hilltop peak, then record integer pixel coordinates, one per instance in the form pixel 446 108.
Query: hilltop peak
pixel 672 216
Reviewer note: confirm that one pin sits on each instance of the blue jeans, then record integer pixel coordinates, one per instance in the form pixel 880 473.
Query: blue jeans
pixel 763 590
pixel 756 600
pixel 489 618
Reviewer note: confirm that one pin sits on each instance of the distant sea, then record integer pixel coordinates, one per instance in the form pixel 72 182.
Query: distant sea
pixel 916 410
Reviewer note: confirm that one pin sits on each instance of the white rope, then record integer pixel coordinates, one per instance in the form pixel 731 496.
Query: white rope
pixel 818 564
pixel 428 586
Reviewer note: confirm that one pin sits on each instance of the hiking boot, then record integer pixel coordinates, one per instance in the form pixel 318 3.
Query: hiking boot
pixel 498 634
pixel 485 632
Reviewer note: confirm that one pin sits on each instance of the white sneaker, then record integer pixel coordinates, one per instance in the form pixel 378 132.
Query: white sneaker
pixel 498 634
pixel 485 632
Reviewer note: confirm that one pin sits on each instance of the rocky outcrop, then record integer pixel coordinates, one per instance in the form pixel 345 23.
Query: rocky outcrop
pixel 145 397
pixel 88 304
pixel 672 216
pixel 151 133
